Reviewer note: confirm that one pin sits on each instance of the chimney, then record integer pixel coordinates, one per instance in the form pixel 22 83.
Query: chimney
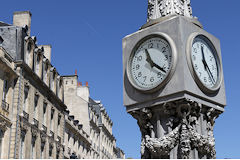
pixel 86 84
pixel 47 51
pixel 75 72
pixel 22 19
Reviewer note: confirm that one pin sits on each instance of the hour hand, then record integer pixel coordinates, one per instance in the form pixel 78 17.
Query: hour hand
pixel 149 59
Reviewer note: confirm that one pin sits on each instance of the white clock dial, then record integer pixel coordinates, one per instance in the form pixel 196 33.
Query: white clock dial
pixel 205 62
pixel 150 63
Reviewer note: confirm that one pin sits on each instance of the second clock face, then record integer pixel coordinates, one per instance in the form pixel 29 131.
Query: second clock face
pixel 205 62
pixel 150 63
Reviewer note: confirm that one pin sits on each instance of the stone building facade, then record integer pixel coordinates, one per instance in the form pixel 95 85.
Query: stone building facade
pixel 35 119
pixel 92 118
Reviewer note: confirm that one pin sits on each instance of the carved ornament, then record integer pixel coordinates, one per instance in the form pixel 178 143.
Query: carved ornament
pixel 183 117
pixel 162 8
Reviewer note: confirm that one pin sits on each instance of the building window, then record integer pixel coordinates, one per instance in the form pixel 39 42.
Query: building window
pixel 57 155
pixel 51 121
pixel 53 81
pixel 25 100
pixel 50 151
pixel 45 73
pixel 42 156
pixel 5 90
pixel 58 126
pixel 33 148
pixel 37 64
pixel 35 106
pixel 44 113
pixel 29 49
pixel 22 145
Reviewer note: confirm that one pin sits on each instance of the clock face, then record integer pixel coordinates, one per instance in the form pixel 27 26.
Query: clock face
pixel 150 63
pixel 205 62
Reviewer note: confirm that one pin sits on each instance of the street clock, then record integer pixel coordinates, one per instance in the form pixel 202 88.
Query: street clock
pixel 152 62
pixel 204 63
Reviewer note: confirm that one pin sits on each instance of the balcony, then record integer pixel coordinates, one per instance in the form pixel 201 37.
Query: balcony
pixel 44 129
pixel 35 122
pixel 5 106
pixel 25 115
pixel 51 134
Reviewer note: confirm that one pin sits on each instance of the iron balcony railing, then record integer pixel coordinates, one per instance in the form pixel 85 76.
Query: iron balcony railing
pixel 44 128
pixel 5 105
pixel 35 122
pixel 25 115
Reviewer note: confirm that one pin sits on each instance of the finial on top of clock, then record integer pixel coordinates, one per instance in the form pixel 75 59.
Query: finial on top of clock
pixel 163 8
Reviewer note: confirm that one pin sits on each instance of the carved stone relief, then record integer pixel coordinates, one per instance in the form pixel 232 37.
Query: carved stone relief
pixel 162 8
pixel 180 120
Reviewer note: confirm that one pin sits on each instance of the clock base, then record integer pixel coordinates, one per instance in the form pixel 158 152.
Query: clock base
pixel 179 129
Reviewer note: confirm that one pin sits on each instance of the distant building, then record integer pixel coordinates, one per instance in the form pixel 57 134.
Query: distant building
pixel 38 116
pixel 93 119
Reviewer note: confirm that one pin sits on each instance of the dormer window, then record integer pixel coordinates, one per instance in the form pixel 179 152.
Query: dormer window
pixel 53 81
pixel 45 73
pixel 37 64
pixel 28 53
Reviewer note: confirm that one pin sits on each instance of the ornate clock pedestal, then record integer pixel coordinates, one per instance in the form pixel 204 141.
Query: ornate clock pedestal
pixel 180 129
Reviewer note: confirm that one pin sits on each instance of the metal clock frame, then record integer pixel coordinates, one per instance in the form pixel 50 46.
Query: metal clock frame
pixel 172 67
pixel 200 84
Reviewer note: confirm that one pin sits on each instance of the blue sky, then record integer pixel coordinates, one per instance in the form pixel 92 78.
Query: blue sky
pixel 87 36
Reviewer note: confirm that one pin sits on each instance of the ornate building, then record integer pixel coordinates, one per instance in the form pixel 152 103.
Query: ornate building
pixel 35 121
pixel 92 118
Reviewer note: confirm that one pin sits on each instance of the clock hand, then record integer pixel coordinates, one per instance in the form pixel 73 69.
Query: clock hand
pixel 206 66
pixel 210 73
pixel 150 61
pixel 203 56
pixel 158 67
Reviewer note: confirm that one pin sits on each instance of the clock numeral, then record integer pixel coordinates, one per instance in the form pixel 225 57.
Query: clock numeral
pixel 137 67
pixel 150 45
pixel 166 57
pixel 152 79
pixel 164 49
pixel 139 58
pixel 194 57
pixel 159 75
pixel 209 79
pixel 196 67
pixel 195 50
pixel 205 79
pixel 200 74
pixel 139 74
pixel 164 67
pixel 145 77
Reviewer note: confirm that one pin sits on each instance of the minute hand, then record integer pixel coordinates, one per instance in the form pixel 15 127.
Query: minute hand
pixel 206 66
pixel 158 67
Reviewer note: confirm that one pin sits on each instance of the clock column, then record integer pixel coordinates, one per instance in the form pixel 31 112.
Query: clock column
pixel 176 113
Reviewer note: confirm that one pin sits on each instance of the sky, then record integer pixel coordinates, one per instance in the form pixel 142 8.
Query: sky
pixel 87 36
